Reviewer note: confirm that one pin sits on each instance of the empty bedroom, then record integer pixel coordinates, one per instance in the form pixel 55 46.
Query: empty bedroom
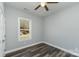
pixel 39 29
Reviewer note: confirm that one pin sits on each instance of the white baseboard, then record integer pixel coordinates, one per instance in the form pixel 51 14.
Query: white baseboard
pixel 45 43
pixel 71 52
pixel 22 47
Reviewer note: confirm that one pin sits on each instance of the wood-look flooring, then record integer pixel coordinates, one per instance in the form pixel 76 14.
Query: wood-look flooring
pixel 40 50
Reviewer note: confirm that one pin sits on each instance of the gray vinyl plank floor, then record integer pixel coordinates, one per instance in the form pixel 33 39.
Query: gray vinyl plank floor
pixel 40 50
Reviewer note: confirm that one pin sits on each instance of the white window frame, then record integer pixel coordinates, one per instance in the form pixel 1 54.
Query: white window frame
pixel 30 28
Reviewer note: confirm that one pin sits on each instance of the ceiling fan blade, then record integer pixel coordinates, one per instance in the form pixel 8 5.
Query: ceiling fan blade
pixel 46 8
pixel 37 7
pixel 52 2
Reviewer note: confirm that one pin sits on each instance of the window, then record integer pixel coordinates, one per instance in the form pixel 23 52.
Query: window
pixel 24 28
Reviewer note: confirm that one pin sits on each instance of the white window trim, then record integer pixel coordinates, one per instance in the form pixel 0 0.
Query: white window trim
pixel 30 28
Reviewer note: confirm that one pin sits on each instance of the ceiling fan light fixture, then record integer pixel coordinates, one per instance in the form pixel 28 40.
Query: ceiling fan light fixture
pixel 43 4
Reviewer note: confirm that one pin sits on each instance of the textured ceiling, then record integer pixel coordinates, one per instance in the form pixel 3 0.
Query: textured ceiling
pixel 29 6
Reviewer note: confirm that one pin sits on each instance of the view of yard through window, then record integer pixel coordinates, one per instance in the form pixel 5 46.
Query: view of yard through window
pixel 24 29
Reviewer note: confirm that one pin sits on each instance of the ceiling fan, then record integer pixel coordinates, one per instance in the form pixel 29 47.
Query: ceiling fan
pixel 44 5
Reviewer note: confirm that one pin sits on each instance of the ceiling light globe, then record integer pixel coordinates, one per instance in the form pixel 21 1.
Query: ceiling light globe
pixel 43 4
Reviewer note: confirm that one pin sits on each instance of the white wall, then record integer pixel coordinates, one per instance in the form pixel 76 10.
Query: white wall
pixel 62 28
pixel 12 15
